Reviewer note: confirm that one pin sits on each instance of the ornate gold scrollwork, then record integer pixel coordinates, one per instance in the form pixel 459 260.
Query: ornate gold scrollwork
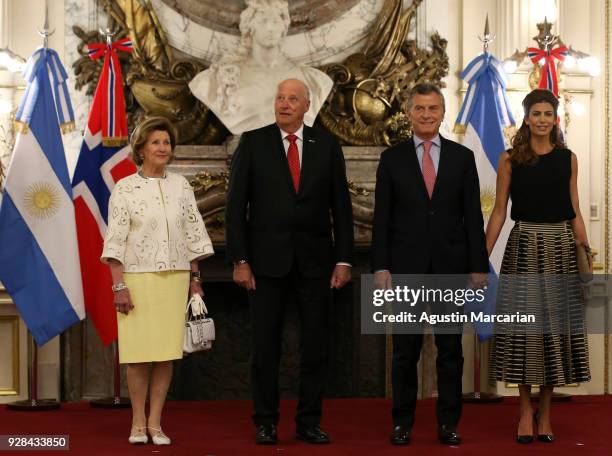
pixel 209 189
pixel 365 107
pixel 355 190
pixel 363 213
pixel 156 79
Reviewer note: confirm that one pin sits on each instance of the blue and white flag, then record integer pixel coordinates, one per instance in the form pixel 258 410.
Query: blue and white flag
pixel 39 260
pixel 482 120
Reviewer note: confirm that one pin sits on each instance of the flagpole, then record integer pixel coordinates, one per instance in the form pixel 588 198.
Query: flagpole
pixel 115 401
pixel 32 403
pixel 478 397
pixel 46 32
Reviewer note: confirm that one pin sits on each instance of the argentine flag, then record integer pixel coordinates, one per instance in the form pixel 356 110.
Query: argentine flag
pixel 39 261
pixel 482 120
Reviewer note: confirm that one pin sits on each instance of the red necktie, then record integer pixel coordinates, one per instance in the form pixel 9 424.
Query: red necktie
pixel 429 171
pixel 293 157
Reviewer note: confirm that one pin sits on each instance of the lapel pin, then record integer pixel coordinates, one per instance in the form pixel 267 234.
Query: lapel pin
pixel 311 140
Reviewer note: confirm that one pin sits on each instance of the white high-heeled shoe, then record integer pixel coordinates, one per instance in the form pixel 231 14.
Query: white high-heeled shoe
pixel 138 435
pixel 158 437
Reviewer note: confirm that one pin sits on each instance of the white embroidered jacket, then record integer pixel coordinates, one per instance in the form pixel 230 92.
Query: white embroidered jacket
pixel 154 225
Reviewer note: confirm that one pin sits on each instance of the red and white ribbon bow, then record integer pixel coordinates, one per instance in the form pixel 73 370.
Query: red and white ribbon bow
pixel 549 71
pixel 109 102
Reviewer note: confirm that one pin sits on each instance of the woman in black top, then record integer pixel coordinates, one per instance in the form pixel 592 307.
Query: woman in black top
pixel 540 175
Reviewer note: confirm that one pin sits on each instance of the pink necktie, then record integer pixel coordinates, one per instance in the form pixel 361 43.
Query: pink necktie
pixel 293 157
pixel 429 171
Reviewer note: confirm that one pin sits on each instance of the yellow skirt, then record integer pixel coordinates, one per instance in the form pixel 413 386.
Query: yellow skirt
pixel 153 329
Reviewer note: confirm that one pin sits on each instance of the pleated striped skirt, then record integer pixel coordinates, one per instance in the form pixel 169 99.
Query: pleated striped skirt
pixel 539 276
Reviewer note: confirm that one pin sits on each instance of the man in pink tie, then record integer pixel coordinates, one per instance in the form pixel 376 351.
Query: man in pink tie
pixel 427 220
pixel 287 195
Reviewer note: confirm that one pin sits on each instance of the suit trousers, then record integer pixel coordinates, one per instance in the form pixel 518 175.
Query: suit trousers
pixel 268 303
pixel 449 369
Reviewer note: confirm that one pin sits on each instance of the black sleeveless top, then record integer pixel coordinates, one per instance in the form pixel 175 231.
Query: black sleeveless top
pixel 541 192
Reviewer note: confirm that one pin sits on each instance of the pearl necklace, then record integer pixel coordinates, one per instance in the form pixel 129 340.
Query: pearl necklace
pixel 141 174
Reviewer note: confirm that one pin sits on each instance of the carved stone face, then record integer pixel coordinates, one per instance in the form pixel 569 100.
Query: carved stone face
pixel 268 29
pixel 223 15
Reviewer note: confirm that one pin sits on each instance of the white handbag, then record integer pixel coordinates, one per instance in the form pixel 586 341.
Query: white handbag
pixel 199 328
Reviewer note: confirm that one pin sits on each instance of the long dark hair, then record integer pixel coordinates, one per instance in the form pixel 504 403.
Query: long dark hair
pixel 521 152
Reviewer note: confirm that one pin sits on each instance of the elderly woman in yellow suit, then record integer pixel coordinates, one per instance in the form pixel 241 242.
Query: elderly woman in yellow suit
pixel 155 239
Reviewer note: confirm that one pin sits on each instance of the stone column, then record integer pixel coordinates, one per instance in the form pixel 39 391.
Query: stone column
pixel 7 92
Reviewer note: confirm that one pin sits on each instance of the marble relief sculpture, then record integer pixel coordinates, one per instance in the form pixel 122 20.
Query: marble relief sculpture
pixel 240 87
pixel 368 88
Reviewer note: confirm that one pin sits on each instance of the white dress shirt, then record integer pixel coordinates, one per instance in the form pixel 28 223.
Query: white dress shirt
pixel 434 152
pixel 299 142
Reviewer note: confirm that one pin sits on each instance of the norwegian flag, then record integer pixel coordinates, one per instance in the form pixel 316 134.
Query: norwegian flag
pixel 103 161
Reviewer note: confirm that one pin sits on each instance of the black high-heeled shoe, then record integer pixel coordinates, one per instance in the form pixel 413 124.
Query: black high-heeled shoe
pixel 524 439
pixel 546 438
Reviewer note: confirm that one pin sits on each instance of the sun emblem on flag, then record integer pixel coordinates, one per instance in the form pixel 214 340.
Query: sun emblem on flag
pixel 487 201
pixel 42 200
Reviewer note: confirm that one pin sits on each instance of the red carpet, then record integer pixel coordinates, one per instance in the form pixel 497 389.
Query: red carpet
pixel 356 426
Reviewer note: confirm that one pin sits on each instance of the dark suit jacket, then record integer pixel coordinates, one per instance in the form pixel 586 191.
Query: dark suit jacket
pixel 269 224
pixel 415 235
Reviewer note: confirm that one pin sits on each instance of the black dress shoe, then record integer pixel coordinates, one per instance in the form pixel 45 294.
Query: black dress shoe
pixel 312 434
pixel 448 435
pixel 266 434
pixel 400 435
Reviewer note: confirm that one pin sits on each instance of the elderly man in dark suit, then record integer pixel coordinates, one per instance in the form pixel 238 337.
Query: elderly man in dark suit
pixel 289 228
pixel 427 220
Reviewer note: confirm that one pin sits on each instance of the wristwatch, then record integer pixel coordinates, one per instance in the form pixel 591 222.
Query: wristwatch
pixel 195 276
pixel 239 262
